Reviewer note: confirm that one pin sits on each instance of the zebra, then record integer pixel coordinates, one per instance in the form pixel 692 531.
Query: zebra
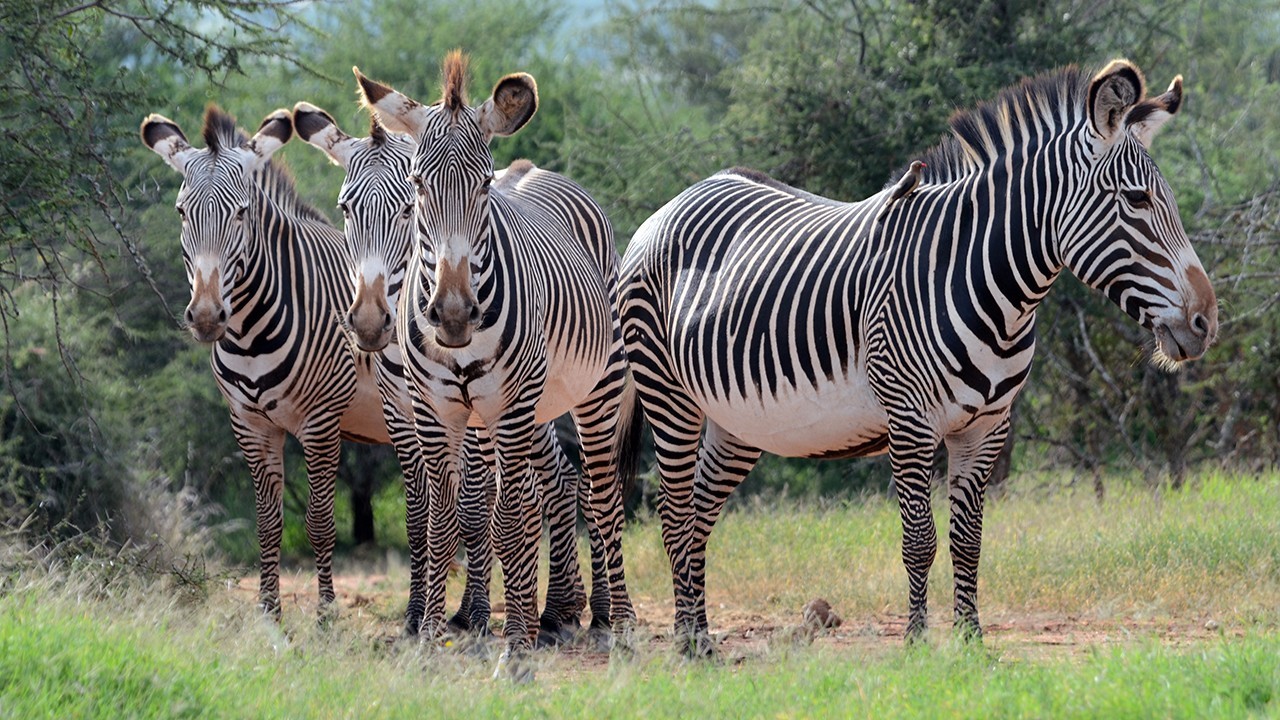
pixel 248 243
pixel 790 323
pixel 507 319
pixel 377 203
pixel 268 277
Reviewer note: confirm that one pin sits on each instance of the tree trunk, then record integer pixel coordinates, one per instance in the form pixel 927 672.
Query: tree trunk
pixel 359 471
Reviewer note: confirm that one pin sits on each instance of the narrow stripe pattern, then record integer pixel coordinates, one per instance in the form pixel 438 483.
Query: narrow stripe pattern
pixel 758 317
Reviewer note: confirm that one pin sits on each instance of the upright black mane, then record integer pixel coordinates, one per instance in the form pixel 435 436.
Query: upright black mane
pixel 221 133
pixel 1054 101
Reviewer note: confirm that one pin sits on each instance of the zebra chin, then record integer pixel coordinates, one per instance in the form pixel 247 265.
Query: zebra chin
pixel 1178 343
pixel 207 333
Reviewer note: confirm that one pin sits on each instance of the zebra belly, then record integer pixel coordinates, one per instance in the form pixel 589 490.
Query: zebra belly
pixel 570 380
pixel 838 419
pixel 364 420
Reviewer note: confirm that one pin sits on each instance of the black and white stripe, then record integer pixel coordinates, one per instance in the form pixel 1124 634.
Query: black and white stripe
pixel 507 321
pixel 784 322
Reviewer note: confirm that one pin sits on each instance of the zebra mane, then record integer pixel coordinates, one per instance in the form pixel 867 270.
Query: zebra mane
pixel 1056 101
pixel 454 74
pixel 221 133
pixel 377 133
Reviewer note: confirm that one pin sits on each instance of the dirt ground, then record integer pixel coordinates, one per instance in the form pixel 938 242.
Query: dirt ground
pixel 376 601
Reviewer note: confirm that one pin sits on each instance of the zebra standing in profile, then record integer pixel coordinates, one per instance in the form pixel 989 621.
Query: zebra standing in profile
pixel 507 320
pixel 793 324
pixel 377 204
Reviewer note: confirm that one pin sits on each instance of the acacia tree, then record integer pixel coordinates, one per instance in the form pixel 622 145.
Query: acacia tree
pixel 72 95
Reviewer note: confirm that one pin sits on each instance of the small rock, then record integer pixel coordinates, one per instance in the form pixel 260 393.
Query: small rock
pixel 1211 625
pixel 818 615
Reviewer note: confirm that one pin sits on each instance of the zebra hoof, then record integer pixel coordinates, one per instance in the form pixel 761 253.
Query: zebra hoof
pixel 553 633
pixel 514 667
pixel 599 637
pixel 914 634
pixel 968 630
pixel 459 623
pixel 700 647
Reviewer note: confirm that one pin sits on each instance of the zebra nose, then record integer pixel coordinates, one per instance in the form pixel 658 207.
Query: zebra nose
pixel 1200 324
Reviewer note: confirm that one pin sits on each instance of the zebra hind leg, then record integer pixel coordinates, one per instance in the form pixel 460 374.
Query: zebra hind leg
pixel 723 463
pixel 599 632
pixel 560 620
pixel 970 462
pixel 676 422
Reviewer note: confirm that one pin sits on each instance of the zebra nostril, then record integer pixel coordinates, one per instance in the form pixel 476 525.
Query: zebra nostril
pixel 386 321
pixel 433 317
pixel 351 320
pixel 189 316
pixel 1200 324
pixel 222 315
pixel 474 316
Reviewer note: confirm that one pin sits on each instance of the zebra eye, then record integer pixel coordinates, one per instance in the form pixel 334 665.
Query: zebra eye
pixel 1137 198
pixel 241 213
pixel 417 183
pixel 181 212
pixel 407 212
pixel 346 211
pixel 484 186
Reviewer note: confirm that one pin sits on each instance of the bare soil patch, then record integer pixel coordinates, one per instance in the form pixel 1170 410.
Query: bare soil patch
pixel 372 603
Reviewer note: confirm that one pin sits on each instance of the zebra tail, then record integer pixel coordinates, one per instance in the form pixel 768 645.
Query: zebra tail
pixel 630 434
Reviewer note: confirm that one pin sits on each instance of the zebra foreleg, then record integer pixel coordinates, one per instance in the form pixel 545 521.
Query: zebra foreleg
pixel 560 619
pixel 440 440
pixel 970 461
pixel 475 508
pixel 322 449
pixel 516 531
pixel 911 451
pixel 263 449
pixel 723 463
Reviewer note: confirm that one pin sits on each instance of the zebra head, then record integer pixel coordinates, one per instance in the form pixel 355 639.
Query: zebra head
pixel 1124 236
pixel 377 204
pixel 213 202
pixel 452 170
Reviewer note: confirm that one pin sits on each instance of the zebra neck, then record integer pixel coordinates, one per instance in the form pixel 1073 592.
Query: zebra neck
pixel 260 291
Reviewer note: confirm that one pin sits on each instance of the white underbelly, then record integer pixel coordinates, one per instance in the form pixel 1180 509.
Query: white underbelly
pixel 838 416
pixel 569 381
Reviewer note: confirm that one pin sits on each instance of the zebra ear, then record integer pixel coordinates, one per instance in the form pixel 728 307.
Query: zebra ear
pixel 514 101
pixel 164 137
pixel 396 111
pixel 1146 118
pixel 317 127
pixel 272 134
pixel 1113 91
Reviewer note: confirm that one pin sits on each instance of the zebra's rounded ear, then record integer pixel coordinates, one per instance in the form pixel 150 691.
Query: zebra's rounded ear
pixel 396 111
pixel 513 103
pixel 317 127
pixel 273 133
pixel 1148 116
pixel 1111 94
pixel 165 138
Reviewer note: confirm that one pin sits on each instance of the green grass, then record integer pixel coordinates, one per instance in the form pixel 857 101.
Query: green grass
pixel 64 656
pixel 1149 567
